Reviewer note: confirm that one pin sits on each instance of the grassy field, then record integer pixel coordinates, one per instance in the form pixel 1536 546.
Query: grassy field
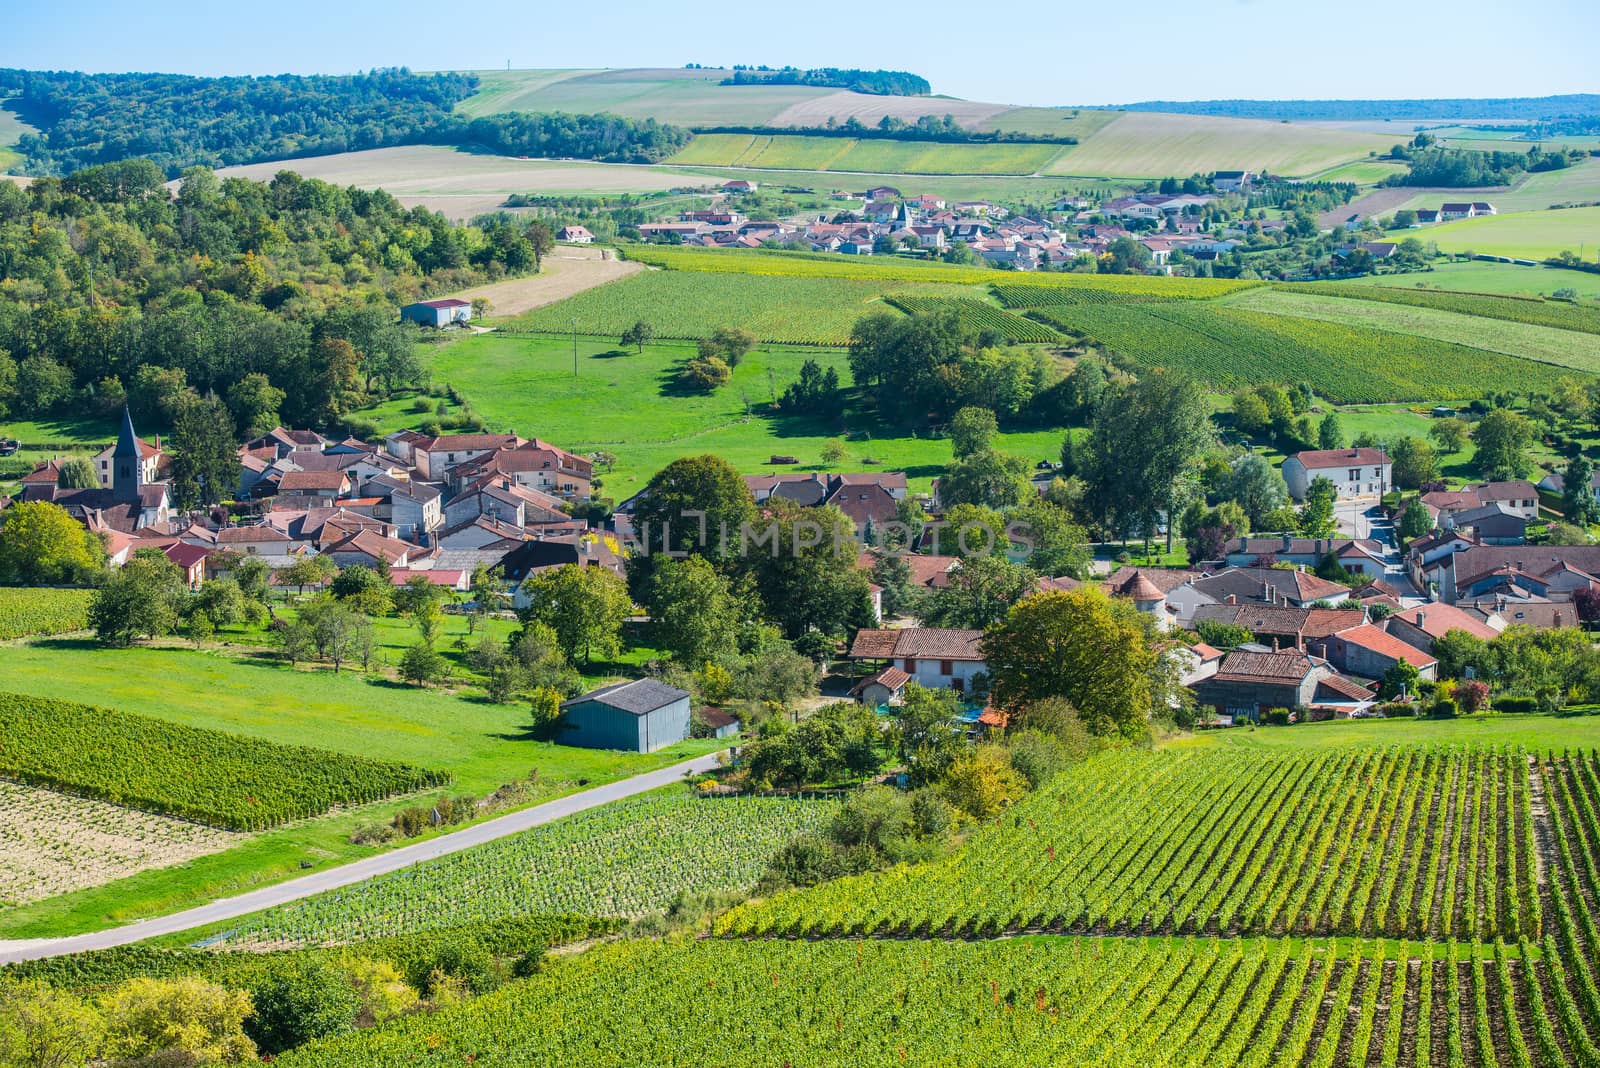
pixel 1363 172
pixel 687 97
pixel 11 128
pixel 1508 279
pixel 1532 235
pixel 1081 123
pixel 1578 184
pixel 687 304
pixel 1563 348
pixel 866 156
pixel 1153 145
pixel 483 745
pixel 526 384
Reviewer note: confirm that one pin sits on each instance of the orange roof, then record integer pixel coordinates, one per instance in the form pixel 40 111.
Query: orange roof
pixel 1437 620
pixel 1386 644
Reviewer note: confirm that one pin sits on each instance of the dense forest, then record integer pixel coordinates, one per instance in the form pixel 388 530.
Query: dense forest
pixel 1501 109
pixel 874 82
pixel 279 297
pixel 180 121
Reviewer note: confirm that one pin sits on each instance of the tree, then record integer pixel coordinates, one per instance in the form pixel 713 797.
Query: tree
pixel 1257 486
pixel 1147 438
pixel 801 563
pixel 1578 502
pixel 1414 462
pixel 982 782
pixel 335 629
pixel 43 1027
pixel 1415 521
pixel 694 505
pixel 1053 543
pixel 185 1020
pixel 926 734
pixel 541 241
pixel 41 544
pixel 139 600
pixel 834 452
pixel 697 615
pixel 205 457
pixel 978 593
pixel 815 391
pixel 1330 433
pixel 254 402
pixel 1317 517
pixel 584 606
pixel 422 663
pixel 1250 412
pixel 415 595
pixel 639 334
pixel 221 601
pixel 78 473
pixel 308 571
pixel 299 1003
pixel 1500 445
pixel 1400 679
pixel 705 373
pixel 1081 646
pixel 972 431
pixel 988 478
pixel 363 589
pixel 1448 435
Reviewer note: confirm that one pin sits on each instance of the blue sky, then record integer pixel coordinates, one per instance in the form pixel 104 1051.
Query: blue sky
pixel 1018 51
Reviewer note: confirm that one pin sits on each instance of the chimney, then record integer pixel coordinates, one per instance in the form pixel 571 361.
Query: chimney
pixel 1231 599
pixel 1422 617
pixel 1287 542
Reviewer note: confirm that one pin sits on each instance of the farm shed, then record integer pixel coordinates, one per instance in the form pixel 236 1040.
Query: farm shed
pixel 438 312
pixel 722 724
pixel 640 716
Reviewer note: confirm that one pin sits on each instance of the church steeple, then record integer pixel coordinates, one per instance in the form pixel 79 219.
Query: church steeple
pixel 126 463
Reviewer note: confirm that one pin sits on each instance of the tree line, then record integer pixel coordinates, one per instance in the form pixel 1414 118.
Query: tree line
pixel 891 128
pixel 873 82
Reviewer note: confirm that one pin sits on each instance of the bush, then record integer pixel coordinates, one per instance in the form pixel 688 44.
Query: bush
pixel 465 961
pixel 1443 708
pixel 1515 704
pixel 296 1005
pixel 1276 717
pixel 1038 756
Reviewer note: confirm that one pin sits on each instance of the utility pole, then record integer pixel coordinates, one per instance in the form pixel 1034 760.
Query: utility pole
pixel 574 346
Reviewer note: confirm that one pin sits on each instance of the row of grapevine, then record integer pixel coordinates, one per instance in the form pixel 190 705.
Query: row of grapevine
pixel 1232 347
pixel 1026 296
pixel 226 780
pixel 28 612
pixel 1342 841
pixel 1015 1002
pixel 976 315
pixel 826 265
pixel 620 860
pixel 1536 311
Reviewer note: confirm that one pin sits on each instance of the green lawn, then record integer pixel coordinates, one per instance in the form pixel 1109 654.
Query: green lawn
pixel 1564 348
pixel 1362 172
pixel 1533 732
pixel 628 405
pixel 484 745
pixel 671 94
pixel 1532 235
pixel 1506 279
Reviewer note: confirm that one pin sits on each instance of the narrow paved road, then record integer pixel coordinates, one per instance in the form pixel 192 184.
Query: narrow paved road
pixel 230 907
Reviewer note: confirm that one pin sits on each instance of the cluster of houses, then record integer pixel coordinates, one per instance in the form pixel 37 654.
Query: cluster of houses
pixel 414 503
pixel 888 219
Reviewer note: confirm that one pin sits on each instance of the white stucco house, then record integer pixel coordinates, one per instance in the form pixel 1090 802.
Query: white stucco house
pixel 1354 472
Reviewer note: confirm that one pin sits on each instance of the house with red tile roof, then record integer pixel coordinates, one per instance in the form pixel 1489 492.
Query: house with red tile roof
pixel 1370 651
pixel 934 657
pixel 1355 473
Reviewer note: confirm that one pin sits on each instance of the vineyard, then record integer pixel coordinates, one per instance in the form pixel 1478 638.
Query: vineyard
pixel 1403 842
pixel 976 315
pixel 214 778
pixel 1233 347
pixel 1535 311
pixel 826 265
pixel 52 843
pixel 621 860
pixel 1052 296
pixel 28 612
pixel 1022 1003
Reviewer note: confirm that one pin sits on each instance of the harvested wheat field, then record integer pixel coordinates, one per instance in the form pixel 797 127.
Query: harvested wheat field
pixel 51 843
pixel 568 271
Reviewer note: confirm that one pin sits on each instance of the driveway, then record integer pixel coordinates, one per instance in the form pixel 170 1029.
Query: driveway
pixel 282 893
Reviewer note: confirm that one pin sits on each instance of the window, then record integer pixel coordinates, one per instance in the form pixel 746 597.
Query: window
pixel 946 668
pixel 1377 472
pixel 910 665
pixel 1354 475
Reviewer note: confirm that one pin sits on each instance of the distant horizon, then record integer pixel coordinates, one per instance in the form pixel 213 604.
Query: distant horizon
pixel 1034 52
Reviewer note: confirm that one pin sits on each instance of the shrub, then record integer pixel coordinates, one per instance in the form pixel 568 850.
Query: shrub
pixel 296 1005
pixel 1515 704
pixel 1472 696
pixel 1276 717
pixel 1443 708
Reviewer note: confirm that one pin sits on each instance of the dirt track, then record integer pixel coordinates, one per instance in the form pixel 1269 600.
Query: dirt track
pixel 568 270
